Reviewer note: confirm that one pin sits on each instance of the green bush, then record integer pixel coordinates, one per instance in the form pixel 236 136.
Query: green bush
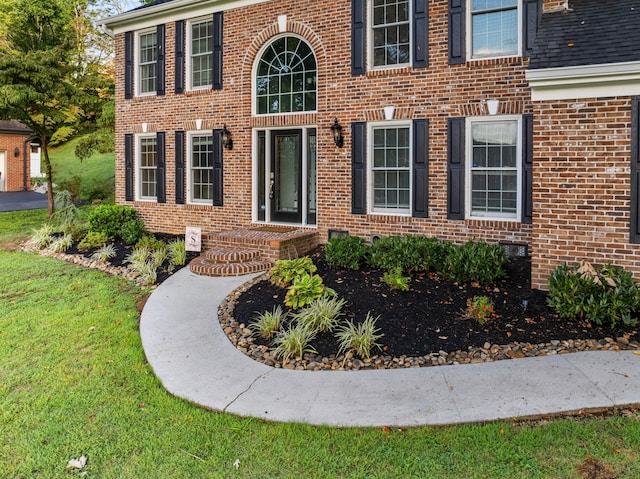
pixel 409 253
pixel 92 240
pixel 605 294
pixel 286 271
pixel 117 222
pixel 347 252
pixel 474 261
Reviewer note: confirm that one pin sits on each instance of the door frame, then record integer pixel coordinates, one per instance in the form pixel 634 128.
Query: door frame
pixel 294 217
pixel 3 170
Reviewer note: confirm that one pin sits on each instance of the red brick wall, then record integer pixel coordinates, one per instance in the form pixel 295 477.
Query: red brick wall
pixel 14 178
pixel 582 185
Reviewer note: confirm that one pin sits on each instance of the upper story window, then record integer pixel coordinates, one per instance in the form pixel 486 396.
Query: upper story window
pixel 200 54
pixel 390 33
pixel 147 53
pixel 147 165
pixel 494 28
pixel 494 167
pixel 391 169
pixel 286 77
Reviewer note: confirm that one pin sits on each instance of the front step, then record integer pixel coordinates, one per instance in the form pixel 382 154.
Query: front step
pixel 229 262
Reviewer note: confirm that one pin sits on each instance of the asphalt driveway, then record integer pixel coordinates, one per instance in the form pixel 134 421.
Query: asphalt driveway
pixel 21 200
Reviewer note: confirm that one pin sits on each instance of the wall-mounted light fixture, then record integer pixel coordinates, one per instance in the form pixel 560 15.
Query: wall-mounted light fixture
pixel 227 141
pixel 336 129
pixel 16 152
pixel 492 106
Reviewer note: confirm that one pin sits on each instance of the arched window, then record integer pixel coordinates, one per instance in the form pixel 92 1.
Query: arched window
pixel 286 77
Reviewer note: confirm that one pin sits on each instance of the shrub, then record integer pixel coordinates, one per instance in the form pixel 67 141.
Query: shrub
pixel 474 261
pixel 347 252
pixel 116 222
pixel 61 244
pixel 92 240
pixel 479 308
pixel 359 338
pixel 267 324
pixel 321 315
pixel 409 253
pixel 177 252
pixel 104 254
pixel 394 279
pixel 286 271
pixel 605 294
pixel 293 342
pixel 305 290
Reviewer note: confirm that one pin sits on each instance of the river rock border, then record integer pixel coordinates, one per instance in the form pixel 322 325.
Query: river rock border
pixel 241 337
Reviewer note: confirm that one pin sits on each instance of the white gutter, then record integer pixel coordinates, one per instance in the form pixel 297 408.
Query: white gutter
pixel 588 81
pixel 166 12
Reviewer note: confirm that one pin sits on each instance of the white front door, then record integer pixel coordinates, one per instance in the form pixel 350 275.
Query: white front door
pixel 3 170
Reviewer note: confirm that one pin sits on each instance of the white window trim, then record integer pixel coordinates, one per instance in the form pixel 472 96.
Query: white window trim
pixel 189 152
pixel 137 175
pixel 136 63
pixel 370 180
pixel 188 48
pixel 254 74
pixel 469 35
pixel 469 162
pixel 370 40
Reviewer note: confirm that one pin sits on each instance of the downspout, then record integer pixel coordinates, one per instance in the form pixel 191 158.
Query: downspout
pixel 24 161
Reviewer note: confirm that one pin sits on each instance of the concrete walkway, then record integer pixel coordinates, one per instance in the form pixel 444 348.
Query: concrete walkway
pixel 21 200
pixel 193 358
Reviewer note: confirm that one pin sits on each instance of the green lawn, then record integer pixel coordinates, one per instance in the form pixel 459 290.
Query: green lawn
pixel 85 179
pixel 74 381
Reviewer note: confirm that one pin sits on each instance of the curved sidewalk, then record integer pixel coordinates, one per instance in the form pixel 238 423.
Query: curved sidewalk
pixel 194 360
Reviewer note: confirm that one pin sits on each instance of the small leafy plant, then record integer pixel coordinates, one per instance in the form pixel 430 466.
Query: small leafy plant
pixel 346 252
pixel 42 237
pixel 479 308
pixel 395 280
pixel 151 243
pixel 293 342
pixel 268 323
pixel 177 252
pixel 104 254
pixel 321 315
pixel 306 289
pixel 92 240
pixel 61 244
pixel 286 271
pixel 359 338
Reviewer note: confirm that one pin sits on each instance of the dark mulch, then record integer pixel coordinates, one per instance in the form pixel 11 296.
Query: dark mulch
pixel 428 318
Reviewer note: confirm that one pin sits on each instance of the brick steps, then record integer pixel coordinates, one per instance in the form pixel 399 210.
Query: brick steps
pixel 205 267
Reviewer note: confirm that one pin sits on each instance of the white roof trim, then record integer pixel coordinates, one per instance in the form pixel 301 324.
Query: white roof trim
pixel 589 81
pixel 169 12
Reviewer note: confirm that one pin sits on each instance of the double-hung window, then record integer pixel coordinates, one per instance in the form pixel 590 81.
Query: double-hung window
pixel 390 34
pixel 147 165
pixel 494 28
pixel 493 149
pixel 391 169
pixel 200 168
pixel 147 54
pixel 200 54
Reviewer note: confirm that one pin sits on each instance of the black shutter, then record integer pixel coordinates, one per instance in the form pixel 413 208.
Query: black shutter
pixel 128 65
pixel 527 169
pixel 161 169
pixel 530 19
pixel 420 33
pixel 455 168
pixel 358 168
pixel 179 67
pixel 420 169
pixel 128 167
pixel 358 37
pixel 218 189
pixel 634 233
pixel 457 23
pixel 218 37
pixel 160 62
pixel 179 167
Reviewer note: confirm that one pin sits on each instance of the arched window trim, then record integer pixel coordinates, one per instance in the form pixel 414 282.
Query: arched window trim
pixel 254 75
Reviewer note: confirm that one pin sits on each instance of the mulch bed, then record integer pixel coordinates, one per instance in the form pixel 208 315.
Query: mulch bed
pixel 429 317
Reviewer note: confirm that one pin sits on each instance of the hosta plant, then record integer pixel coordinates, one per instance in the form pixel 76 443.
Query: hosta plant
pixel 268 323
pixel 286 271
pixel 359 338
pixel 293 342
pixel 322 314
pixel 305 290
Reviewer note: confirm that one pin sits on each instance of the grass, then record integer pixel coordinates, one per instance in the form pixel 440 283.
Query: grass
pixel 74 381
pixel 88 177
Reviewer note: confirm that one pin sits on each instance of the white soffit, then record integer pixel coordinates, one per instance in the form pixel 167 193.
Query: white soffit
pixel 589 81
pixel 169 12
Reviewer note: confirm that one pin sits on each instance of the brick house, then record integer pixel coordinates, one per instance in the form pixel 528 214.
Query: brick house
pixel 18 158
pixel 448 118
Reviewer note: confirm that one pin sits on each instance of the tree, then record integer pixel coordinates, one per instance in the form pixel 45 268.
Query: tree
pixel 45 80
